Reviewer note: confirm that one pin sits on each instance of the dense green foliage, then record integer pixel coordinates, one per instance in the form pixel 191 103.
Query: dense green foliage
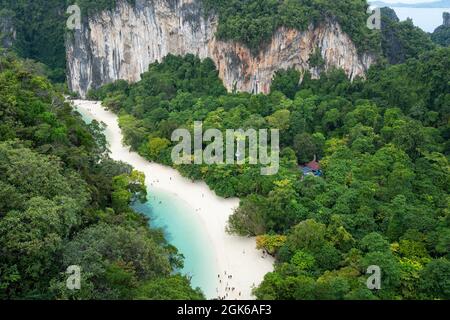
pixel 287 82
pixel 383 145
pixel 39 26
pixel 254 21
pixel 64 202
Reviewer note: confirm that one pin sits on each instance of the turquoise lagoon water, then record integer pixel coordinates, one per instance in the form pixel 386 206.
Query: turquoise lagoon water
pixel 168 212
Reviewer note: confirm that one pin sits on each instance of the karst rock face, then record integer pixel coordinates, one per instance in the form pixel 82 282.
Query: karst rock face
pixel 120 44
pixel 446 17
pixel 7 31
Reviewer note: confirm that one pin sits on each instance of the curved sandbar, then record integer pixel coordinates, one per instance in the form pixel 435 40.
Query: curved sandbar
pixel 237 256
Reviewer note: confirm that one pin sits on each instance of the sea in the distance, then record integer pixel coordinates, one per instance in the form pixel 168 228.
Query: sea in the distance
pixel 428 19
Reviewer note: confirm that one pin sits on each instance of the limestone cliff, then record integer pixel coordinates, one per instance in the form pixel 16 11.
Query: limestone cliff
pixel 7 29
pixel 120 44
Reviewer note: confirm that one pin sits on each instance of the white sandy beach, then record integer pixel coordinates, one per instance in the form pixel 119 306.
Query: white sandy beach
pixel 237 256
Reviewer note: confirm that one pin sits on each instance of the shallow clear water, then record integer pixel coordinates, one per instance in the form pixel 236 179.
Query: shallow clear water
pixel 168 212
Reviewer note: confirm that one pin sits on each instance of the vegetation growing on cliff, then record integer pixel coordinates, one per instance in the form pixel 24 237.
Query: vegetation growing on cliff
pixel 64 202
pixel 40 24
pixel 253 22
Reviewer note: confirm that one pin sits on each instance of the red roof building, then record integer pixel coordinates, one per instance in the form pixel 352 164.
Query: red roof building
pixel 313 165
